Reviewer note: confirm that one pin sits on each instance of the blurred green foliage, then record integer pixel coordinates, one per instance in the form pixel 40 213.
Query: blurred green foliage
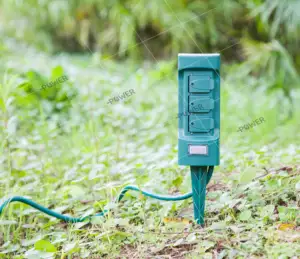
pixel 262 34
pixel 52 93
pixel 120 27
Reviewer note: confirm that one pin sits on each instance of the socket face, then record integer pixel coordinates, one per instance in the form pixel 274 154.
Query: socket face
pixel 199 102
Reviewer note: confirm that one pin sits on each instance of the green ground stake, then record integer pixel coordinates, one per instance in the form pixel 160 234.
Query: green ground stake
pixel 199 121
pixel 199 180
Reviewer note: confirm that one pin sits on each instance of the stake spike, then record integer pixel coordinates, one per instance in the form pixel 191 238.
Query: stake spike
pixel 199 176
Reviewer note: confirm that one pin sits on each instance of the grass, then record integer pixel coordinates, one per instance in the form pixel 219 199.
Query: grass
pixel 74 156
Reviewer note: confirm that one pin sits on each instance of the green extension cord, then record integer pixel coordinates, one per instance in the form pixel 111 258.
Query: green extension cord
pixel 101 214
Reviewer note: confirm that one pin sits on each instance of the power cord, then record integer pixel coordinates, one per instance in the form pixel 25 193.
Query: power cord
pixel 101 214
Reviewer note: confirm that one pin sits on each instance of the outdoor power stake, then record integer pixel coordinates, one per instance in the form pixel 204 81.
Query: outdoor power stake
pixel 199 131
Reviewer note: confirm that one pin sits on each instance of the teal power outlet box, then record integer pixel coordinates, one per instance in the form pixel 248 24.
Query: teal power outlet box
pixel 198 109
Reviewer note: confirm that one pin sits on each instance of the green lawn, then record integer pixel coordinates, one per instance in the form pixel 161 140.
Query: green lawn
pixel 74 154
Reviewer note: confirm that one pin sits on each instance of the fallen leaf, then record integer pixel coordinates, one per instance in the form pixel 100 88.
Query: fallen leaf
pixel 286 168
pixel 177 220
pixel 286 226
